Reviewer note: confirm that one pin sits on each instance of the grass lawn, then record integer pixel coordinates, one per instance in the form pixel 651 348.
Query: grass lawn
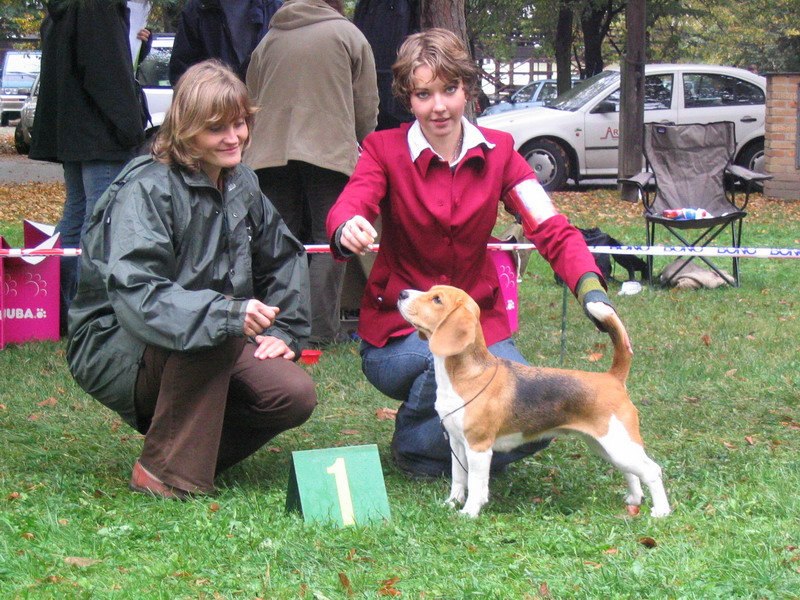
pixel 716 378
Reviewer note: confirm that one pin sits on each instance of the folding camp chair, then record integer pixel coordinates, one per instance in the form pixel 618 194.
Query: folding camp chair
pixel 691 167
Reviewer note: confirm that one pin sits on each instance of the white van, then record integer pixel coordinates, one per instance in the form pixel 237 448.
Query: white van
pixel 20 68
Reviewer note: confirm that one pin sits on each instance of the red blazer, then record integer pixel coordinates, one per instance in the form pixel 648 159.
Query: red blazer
pixel 436 223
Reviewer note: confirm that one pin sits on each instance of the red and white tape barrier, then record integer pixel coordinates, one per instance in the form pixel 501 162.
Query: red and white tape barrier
pixel 717 251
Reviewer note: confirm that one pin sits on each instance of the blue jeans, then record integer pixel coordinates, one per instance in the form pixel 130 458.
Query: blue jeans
pixel 85 182
pixel 403 370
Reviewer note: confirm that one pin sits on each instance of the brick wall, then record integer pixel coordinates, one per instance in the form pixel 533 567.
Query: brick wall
pixel 782 145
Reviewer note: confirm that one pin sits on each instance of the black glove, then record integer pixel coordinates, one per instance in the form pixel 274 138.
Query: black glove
pixel 590 289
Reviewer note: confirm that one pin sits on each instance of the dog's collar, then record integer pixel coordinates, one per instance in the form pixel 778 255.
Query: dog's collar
pixel 483 389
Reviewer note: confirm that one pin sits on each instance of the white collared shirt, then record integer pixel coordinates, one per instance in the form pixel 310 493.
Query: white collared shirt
pixel 472 138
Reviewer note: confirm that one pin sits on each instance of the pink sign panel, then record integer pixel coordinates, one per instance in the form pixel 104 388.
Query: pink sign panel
pixel 507 275
pixel 29 290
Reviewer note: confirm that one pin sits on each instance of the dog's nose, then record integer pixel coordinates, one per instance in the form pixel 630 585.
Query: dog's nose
pixel 403 294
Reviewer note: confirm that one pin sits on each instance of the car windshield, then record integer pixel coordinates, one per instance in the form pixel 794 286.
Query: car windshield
pixel 584 91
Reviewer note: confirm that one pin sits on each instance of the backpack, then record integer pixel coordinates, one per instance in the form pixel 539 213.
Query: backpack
pixel 632 264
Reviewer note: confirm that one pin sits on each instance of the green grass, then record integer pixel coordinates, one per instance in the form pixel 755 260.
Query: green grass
pixel 715 378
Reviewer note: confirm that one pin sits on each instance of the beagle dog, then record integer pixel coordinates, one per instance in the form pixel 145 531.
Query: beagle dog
pixel 487 403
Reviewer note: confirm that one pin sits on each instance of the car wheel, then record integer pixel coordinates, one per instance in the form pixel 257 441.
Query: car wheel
pixel 753 157
pixel 549 162
pixel 20 145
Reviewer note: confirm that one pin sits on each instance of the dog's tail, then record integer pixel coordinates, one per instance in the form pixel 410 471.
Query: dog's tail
pixel 621 365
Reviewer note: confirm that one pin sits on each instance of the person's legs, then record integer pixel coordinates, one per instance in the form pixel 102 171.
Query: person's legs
pixel 85 182
pixel 282 187
pixel 403 369
pixel 181 401
pixel 266 397
pixel 321 188
pixel 70 227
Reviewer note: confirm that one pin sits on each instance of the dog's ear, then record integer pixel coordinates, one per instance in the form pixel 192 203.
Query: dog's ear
pixel 455 333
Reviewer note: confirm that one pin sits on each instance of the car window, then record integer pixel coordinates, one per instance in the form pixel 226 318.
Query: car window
pixel 712 89
pixel 154 69
pixel 585 91
pixel 525 94
pixel 549 90
pixel 657 93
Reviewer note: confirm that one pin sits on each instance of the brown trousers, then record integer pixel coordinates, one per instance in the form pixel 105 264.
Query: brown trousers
pixel 203 411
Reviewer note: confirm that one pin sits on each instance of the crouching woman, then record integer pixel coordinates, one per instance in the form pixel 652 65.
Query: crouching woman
pixel 193 297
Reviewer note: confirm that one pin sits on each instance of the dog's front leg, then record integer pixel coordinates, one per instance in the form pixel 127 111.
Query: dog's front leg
pixel 478 464
pixel 458 485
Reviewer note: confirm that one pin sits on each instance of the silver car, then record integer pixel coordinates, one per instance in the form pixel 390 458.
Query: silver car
pixel 536 93
pixel 152 74
pixel 22 133
pixel 576 136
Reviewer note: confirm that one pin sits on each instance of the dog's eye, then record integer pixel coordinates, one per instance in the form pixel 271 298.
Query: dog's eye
pixel 437 300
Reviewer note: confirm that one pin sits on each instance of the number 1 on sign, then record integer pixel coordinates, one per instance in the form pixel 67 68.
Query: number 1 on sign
pixel 339 471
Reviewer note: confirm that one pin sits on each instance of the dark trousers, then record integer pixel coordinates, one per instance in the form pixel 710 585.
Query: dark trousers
pixel 303 194
pixel 202 412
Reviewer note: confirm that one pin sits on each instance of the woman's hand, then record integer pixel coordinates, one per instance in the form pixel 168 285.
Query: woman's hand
pixel 258 316
pixel 272 347
pixel 358 235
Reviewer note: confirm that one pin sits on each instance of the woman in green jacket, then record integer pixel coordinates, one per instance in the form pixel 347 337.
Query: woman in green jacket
pixel 193 298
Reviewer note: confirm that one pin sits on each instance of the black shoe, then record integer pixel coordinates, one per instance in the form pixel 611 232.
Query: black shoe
pixel 414 469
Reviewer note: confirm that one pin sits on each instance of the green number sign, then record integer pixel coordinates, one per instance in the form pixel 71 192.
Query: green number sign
pixel 338 485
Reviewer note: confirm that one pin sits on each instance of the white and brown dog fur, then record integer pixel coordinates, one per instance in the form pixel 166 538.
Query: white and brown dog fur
pixel 487 403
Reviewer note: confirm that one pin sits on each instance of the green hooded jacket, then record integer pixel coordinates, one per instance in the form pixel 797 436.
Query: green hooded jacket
pixel 170 261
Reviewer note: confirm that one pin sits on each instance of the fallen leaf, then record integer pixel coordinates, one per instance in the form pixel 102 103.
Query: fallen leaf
pixel 274 450
pixel 731 372
pixel 49 402
pixel 647 542
pixel 346 583
pixel 12 496
pixel 594 356
pixel 386 414
pixel 34 417
pixel 611 550
pixel 80 561
pixel 632 509
pixel 28 536
pixel 3 407
pixel 388 589
pixel 350 431
pixel 749 440
pixel 594 565
pixel 213 507
pixel 706 340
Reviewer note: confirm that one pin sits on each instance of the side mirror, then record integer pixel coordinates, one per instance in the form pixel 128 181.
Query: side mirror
pixel 605 107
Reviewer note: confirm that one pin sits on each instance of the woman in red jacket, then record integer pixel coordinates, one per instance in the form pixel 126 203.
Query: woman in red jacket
pixel 437 184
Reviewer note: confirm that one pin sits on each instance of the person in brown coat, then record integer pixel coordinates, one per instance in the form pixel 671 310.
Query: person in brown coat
pixel 313 79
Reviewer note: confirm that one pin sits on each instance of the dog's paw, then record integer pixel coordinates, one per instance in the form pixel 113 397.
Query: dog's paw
pixel 660 511
pixel 633 499
pixel 455 500
pixel 471 511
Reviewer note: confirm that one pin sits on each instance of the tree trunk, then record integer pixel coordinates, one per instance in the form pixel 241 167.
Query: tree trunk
pixel 447 14
pixel 631 117
pixel 592 28
pixel 563 47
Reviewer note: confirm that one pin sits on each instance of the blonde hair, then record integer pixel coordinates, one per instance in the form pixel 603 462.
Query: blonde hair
pixel 207 94
pixel 443 53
